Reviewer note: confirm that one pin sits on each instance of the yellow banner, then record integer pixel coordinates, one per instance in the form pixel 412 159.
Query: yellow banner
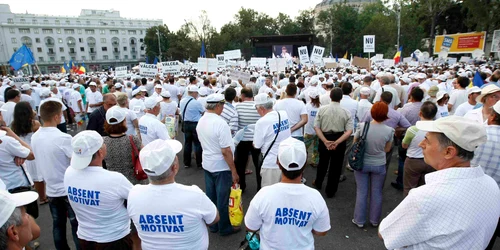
pixel 460 43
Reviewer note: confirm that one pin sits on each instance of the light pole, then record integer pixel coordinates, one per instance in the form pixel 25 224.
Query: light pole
pixel 399 21
pixel 159 47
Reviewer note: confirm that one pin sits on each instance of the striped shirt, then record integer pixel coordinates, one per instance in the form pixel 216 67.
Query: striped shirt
pixel 486 155
pixel 247 115
pixel 230 115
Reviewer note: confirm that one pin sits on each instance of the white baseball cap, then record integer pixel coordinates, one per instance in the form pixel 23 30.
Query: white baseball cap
pixel 76 85
pixel 157 157
pixel 192 88
pixel 118 85
pixel 365 91
pixel 92 84
pixel 292 151
pixel 136 91
pixel 464 132
pixel 151 102
pixel 262 99
pixel 215 98
pixel 158 86
pixel 84 145
pixel 203 91
pixel 9 202
pixel 45 92
pixel 474 89
pixel 165 94
pixel 25 87
pixel 116 113
pixel 440 95
pixel 313 93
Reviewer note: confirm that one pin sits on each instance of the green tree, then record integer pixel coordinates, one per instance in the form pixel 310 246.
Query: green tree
pixel 305 20
pixel 340 24
pixel 151 41
pixel 482 15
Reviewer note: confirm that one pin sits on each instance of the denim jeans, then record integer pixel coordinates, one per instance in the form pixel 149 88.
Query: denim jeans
pixel 190 138
pixel 60 209
pixel 370 180
pixel 218 187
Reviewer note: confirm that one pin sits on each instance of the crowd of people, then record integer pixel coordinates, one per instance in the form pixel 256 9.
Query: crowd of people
pixel 107 179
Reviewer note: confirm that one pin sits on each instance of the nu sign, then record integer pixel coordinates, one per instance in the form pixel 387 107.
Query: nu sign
pixel 369 44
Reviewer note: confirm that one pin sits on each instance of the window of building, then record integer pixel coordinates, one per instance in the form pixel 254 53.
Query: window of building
pixel 125 57
pixel 34 21
pixel 51 50
pixel 58 31
pixel 10 20
pixel 103 40
pixel 80 40
pixel 82 49
pixel 141 40
pixel 68 22
pixel 92 58
pixel 12 30
pixel 79 31
pixel 40 59
pixel 87 22
pixel 121 23
pixel 52 59
pixel 132 32
pixel 123 32
pixel 78 23
pixel 142 48
pixel 24 30
pixel 72 50
pixel 23 20
pixel 36 31
pixel 102 32
pixel 61 49
pixel 92 50
pixel 60 40
pixel 113 32
pixel 117 57
pixel 113 23
pixel 47 31
pixel 83 58
pixel 141 32
pixel 124 48
pixel 63 58
pixel 105 57
pixel 104 48
pixel 58 22
pixel 38 49
pixel 37 40
pixel 134 57
pixel 89 32
pixel 45 21
pixel 14 40
pixel 73 58
pixel 69 31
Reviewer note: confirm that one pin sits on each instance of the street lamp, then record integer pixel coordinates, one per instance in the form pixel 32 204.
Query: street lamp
pixel 159 47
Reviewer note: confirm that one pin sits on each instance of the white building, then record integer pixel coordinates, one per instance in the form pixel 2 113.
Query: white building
pixel 100 38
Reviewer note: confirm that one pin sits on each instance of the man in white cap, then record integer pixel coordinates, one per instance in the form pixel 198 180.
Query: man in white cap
pixel 385 82
pixel 488 97
pixel 472 94
pixel 174 90
pixel 98 116
pixel 97 206
pixel 150 127
pixel 136 104
pixel 288 213
pixel 272 128
pixel 191 111
pixel 17 228
pixel 458 205
pixel 53 151
pixel 12 96
pixel 169 215
pixel 157 90
pixel 218 163
pixel 26 91
pixel 94 98
pixel 364 105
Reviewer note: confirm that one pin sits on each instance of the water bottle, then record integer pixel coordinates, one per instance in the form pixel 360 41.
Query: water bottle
pixel 253 242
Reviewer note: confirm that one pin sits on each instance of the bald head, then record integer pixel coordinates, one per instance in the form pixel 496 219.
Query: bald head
pixel 109 100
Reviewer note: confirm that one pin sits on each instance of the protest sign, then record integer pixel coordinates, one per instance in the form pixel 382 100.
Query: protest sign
pixel 207 65
pixel 148 70
pixel 369 44
pixel 258 62
pixel 388 62
pixel 277 64
pixel 331 65
pixel 452 60
pixel 240 75
pixel 304 55
pixel 121 72
pixel 464 59
pixel 19 81
pixel 232 54
pixel 317 55
pixel 221 60
pixel 407 59
pixel 361 62
pixel 171 67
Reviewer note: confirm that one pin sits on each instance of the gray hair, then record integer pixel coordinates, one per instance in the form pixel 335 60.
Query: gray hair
pixel 385 80
pixel 463 154
pixel 211 106
pixel 267 106
pixel 15 219
pixel 161 177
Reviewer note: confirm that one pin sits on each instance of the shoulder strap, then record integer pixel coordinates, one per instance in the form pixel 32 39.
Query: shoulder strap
pixel 184 112
pixel 135 152
pixel 365 130
pixel 275 137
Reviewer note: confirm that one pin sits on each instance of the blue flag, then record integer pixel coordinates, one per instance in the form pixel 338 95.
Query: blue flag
pixel 155 61
pixel 203 54
pixel 147 60
pixel 414 56
pixel 66 66
pixel 21 57
pixel 477 80
pixel 336 57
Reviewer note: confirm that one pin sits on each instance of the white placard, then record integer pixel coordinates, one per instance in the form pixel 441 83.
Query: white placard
pixel 378 61
pixel 464 59
pixel 413 64
pixel 19 81
pixel 232 54
pixel 258 62
pixel 277 64
pixel 452 60
pixel 207 65
pixel 317 55
pixel 495 43
pixel 388 62
pixel 477 53
pixel 121 72
pixel 240 75
pixel 171 67
pixel 221 62
pixel 369 44
pixel 148 70
pixel 328 60
pixel 304 55
pixel 407 59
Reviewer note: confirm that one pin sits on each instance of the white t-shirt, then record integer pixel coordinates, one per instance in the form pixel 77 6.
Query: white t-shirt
pixel 311 115
pixel 11 174
pixel 75 97
pixel 364 106
pixel 463 108
pixel 171 216
pixel 28 99
pixel 457 97
pixel 286 214
pixel 214 135
pixel 265 131
pixel 131 116
pixel 152 129
pixel 352 105
pixel 174 92
pixel 97 195
pixel 93 98
pixel 137 105
pixel 52 149
pixel 442 111
pixel 168 109
pixel 55 99
pixel 8 114
pixel 294 109
pixel 395 97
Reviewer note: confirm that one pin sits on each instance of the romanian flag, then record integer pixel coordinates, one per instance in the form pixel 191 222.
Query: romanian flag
pixel 63 70
pixel 81 70
pixel 345 55
pixel 397 56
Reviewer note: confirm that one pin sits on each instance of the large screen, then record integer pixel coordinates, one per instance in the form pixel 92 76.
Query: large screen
pixel 283 51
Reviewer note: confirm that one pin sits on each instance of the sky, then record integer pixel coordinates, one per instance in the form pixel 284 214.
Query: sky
pixel 173 13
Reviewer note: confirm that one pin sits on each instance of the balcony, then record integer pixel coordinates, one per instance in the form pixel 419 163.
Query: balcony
pixel 29 44
pixel 51 53
pixel 49 44
pixel 115 44
pixel 72 53
pixel 92 52
pixel 133 44
pixel 92 44
pixel 133 51
pixel 116 52
pixel 71 44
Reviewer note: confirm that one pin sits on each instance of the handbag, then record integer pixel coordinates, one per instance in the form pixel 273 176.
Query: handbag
pixel 183 113
pixel 138 171
pixel 251 241
pixel 272 143
pixel 357 153
pixel 32 208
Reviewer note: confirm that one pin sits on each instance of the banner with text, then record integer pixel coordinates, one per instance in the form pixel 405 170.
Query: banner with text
pixel 236 75
pixel 221 61
pixel 460 43
pixel 317 55
pixel 207 65
pixel 232 54
pixel 304 55
pixel 19 81
pixel 369 44
pixel 258 62
pixel 171 67
pixel 121 72
pixel 148 70
pixel 277 64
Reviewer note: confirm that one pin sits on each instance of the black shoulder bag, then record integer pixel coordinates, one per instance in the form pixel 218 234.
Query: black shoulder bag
pixel 357 153
pixel 272 143
pixel 32 208
pixel 184 113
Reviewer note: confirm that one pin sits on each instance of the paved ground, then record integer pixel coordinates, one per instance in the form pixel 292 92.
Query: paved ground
pixel 343 235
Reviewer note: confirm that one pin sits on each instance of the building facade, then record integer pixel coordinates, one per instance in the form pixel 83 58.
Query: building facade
pixel 100 38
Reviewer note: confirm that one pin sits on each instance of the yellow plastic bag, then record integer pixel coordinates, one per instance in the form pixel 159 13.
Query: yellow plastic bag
pixel 235 206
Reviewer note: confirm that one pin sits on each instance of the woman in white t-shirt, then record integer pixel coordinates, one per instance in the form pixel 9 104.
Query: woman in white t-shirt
pixel 310 137
pixel 459 94
pixel 24 125
pixel 442 104
pixel 132 121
